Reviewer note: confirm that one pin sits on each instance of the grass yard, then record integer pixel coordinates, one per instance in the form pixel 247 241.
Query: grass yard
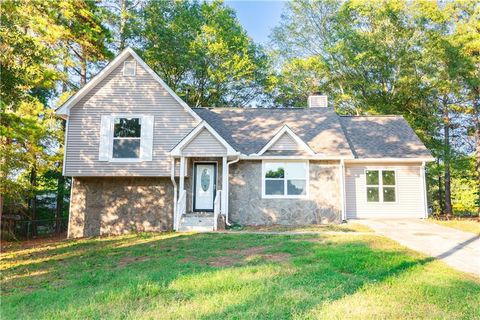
pixel 467 225
pixel 344 227
pixel 217 276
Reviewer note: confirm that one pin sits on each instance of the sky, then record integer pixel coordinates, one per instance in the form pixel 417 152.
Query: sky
pixel 258 17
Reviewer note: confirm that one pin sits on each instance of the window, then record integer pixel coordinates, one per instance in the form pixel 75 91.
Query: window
pixel 380 185
pixel 126 138
pixel 129 68
pixel 285 179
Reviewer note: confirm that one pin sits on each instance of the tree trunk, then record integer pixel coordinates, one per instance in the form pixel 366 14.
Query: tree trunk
pixel 60 193
pixel 83 68
pixel 476 107
pixel 123 22
pixel 440 190
pixel 61 178
pixel 447 176
pixel 33 201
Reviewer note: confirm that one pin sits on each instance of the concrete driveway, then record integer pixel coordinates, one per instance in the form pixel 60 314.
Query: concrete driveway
pixel 458 249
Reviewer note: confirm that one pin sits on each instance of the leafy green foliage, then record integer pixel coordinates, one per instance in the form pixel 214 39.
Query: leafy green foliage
pixel 40 42
pixel 201 48
pixel 418 59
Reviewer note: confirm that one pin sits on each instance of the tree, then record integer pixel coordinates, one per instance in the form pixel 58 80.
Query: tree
pixel 39 40
pixel 387 57
pixel 122 19
pixel 202 52
pixel 28 74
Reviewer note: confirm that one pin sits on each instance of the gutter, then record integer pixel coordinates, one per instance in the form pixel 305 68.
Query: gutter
pixel 226 189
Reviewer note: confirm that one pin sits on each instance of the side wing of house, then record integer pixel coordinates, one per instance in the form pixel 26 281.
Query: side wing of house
pixel 126 124
pixel 383 189
pixel 387 178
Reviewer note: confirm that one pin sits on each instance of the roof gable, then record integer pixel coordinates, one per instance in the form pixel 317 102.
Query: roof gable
pixel 204 143
pixel 286 140
pixel 203 134
pixel 64 110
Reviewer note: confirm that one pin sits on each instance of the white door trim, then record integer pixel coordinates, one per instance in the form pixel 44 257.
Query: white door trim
pixel 194 177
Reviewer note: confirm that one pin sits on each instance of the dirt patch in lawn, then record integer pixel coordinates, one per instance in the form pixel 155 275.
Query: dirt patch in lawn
pixel 125 261
pixel 312 240
pixel 7 246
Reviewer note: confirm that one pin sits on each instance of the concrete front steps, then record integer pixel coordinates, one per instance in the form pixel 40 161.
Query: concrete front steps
pixel 196 222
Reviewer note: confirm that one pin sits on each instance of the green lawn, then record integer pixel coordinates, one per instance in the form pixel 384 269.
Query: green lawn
pixel 472 226
pixel 344 227
pixel 216 276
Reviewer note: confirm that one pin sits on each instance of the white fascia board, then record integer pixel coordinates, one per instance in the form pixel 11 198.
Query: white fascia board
pixel 292 134
pixel 312 157
pixel 177 151
pixel 64 110
pixel 409 160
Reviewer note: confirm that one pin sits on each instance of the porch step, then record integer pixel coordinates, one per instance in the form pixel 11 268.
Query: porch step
pixel 202 214
pixel 196 223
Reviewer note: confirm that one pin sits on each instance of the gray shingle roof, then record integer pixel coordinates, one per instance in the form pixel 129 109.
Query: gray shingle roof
pixel 326 133
pixel 249 130
pixel 382 137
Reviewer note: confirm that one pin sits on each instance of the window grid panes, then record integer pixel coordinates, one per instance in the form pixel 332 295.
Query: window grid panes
pixel 126 138
pixel 285 179
pixel 380 185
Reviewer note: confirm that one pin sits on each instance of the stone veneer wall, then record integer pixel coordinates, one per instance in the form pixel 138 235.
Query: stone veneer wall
pixel 104 205
pixel 247 207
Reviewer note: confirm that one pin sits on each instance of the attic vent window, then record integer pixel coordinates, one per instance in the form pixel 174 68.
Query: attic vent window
pixel 317 101
pixel 129 68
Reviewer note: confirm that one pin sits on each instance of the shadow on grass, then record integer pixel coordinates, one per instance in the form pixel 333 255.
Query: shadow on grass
pixel 173 274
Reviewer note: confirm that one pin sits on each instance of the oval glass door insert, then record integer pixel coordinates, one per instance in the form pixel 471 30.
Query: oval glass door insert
pixel 205 180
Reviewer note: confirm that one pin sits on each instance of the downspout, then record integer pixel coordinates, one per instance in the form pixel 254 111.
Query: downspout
pixel 172 177
pixel 226 189
pixel 342 190
pixel 424 191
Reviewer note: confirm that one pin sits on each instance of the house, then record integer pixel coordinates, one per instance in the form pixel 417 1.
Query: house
pixel 142 160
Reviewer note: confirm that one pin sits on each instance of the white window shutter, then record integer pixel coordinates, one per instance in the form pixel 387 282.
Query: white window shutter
pixel 147 138
pixel 105 139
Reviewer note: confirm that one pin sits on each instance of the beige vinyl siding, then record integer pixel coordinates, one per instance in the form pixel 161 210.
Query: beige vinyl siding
pixel 409 193
pixel 139 94
pixel 204 144
pixel 285 142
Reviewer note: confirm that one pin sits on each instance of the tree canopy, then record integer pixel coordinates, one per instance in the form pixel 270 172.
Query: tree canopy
pixel 418 59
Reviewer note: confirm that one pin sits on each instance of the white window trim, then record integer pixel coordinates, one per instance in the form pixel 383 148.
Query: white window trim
pixel 285 196
pixel 134 68
pixel 112 125
pixel 380 185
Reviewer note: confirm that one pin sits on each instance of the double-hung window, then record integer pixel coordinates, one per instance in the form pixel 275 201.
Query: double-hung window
pixel 381 185
pixel 285 179
pixel 127 136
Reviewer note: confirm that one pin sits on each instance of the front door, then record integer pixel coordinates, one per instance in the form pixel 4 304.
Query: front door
pixel 204 186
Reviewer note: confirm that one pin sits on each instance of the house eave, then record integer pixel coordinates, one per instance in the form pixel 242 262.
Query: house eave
pixel 177 150
pixel 389 159
pixel 293 157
